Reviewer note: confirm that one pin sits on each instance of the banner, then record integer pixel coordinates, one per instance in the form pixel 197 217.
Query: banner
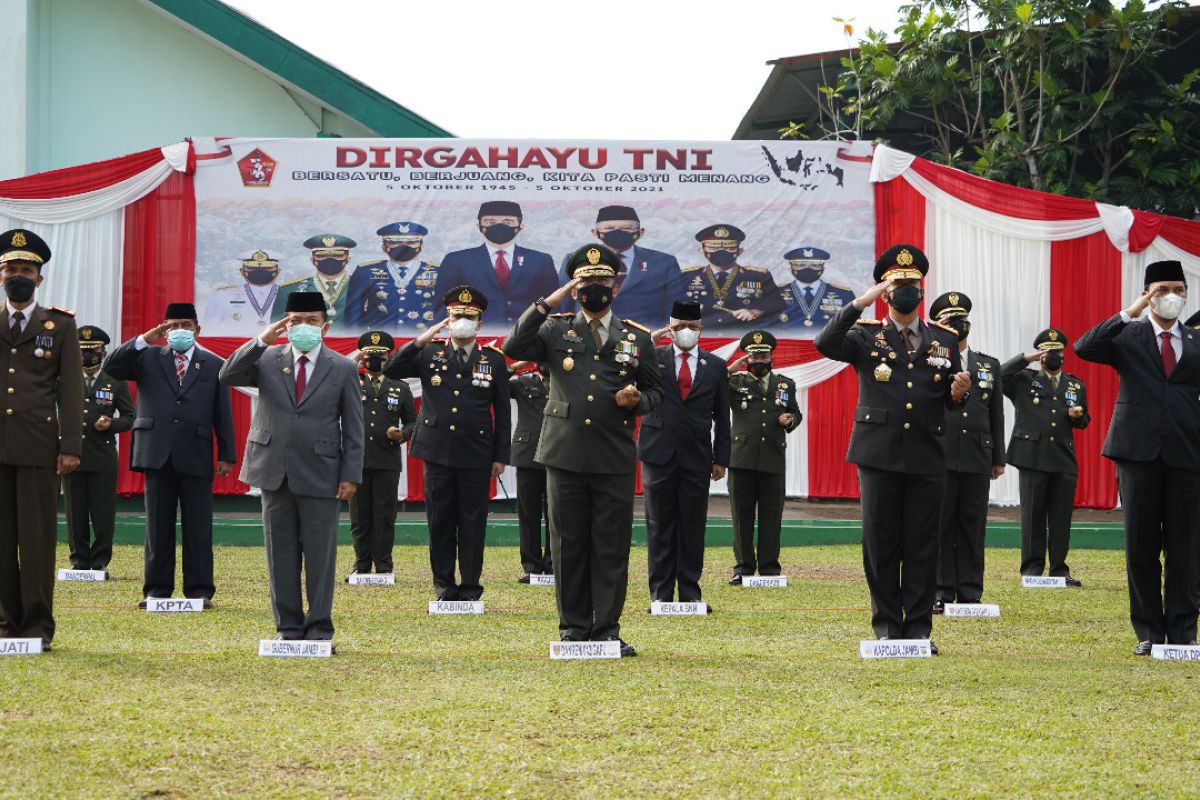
pixel 762 234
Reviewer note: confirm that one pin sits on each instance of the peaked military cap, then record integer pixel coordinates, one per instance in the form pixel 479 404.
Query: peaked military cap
pixel 807 255
pixel 901 261
pixel 376 342
pixel 593 260
pixel 91 337
pixel 467 300
pixel 721 234
pixel 1051 339
pixel 23 245
pixel 333 243
pixel 403 231
pixel 950 305
pixel 757 342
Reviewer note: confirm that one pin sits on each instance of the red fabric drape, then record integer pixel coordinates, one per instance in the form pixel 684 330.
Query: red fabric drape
pixel 1085 287
pixel 1011 201
pixel 1145 229
pixel 1182 233
pixel 81 179
pixel 830 420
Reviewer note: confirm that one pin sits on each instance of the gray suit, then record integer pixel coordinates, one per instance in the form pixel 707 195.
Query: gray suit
pixel 298 453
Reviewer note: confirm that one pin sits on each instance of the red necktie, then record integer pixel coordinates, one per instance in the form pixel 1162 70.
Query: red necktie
pixel 502 270
pixel 180 366
pixel 1168 353
pixel 684 379
pixel 301 377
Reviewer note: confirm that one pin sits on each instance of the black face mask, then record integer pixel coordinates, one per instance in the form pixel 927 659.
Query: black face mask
pixel 759 368
pixel 1053 362
pixel 962 326
pixel 595 297
pixel 374 363
pixel 722 259
pixel 330 266
pixel 260 276
pixel 92 360
pixel 500 233
pixel 403 252
pixel 618 239
pixel 906 298
pixel 808 274
pixel 19 288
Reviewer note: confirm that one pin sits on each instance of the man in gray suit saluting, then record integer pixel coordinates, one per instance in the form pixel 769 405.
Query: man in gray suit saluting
pixel 305 452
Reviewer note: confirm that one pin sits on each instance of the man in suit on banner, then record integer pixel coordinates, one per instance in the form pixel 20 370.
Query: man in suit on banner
pixel 1155 441
pixel 181 407
pixel 305 452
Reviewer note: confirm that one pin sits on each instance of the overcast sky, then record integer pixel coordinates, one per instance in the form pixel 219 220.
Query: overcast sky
pixel 627 69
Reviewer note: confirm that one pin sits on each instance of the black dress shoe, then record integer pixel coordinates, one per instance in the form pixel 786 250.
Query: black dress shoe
pixel 142 604
pixel 736 580
pixel 524 578
pixel 448 595
pixel 207 602
pixel 1143 648
pixel 933 651
pixel 1073 581
pixel 627 650
pixel 939 606
pixel 46 648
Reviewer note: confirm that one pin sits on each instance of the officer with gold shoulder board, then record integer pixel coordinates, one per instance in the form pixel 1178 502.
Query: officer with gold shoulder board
pixel 730 294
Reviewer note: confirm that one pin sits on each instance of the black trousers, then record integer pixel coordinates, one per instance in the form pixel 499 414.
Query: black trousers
pixel 373 520
pixel 28 528
pixel 1047 503
pixel 1161 516
pixel 591 528
pixel 754 494
pixel 90 496
pixel 900 516
pixel 166 492
pixel 532 507
pixel 456 506
pixel 960 541
pixel 676 503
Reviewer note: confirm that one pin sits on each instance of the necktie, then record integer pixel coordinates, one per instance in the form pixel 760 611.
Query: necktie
pixel 460 358
pixel 330 286
pixel 910 343
pixel 375 382
pixel 401 271
pixel 301 376
pixel 91 382
pixel 808 295
pixel 1054 383
pixel 595 326
pixel 684 379
pixel 180 367
pixel 15 322
pixel 502 270
pixel 1168 353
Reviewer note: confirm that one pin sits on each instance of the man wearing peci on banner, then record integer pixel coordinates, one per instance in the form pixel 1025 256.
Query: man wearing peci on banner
pixel 331 260
pixel 397 294
pixel 731 295
pixel 244 309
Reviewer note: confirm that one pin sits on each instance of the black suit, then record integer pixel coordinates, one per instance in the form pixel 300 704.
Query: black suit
pixel 530 393
pixel 678 445
pixel 173 444
pixel 1154 438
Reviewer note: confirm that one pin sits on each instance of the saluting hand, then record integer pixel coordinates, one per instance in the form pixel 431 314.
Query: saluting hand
pixel 864 300
pixel 103 424
pixel 659 334
pixel 1139 305
pixel 629 397
pixel 561 293
pixel 429 334
pixel 1036 355
pixel 735 365
pixel 273 331
pixel 960 386
pixel 157 332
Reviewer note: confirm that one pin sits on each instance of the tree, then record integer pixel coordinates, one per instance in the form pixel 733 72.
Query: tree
pixel 1054 95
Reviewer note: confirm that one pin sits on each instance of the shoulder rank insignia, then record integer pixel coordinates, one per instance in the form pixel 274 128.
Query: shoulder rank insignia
pixel 562 315
pixel 636 325
pixel 293 282
pixel 753 269
pixel 493 347
pixel 869 322
pixel 66 311
pixel 693 269
pixel 944 327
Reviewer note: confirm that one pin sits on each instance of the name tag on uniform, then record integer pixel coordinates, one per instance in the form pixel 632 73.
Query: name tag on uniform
pixel 298 648
pixel 167 605
pixel 1175 652
pixel 978 610
pixel 385 579
pixel 765 581
pixel 569 651
pixel 661 609
pixel 455 606
pixel 1040 582
pixel 21 647
pixel 895 648
pixel 82 575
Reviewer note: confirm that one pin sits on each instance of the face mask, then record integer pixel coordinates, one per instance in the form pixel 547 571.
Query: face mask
pixel 963 326
pixel 1168 306
pixel 19 288
pixel 906 298
pixel 304 337
pixel 403 252
pixel 330 266
pixel 500 233
pixel 686 338
pixel 1053 362
pixel 595 297
pixel 374 363
pixel 92 360
pixel 618 239
pixel 722 259
pixel 759 368
pixel 462 328
pixel 181 340
pixel 808 274
pixel 260 276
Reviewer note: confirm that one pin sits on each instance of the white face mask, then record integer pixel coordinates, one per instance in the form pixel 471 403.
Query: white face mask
pixel 462 328
pixel 686 338
pixel 1168 306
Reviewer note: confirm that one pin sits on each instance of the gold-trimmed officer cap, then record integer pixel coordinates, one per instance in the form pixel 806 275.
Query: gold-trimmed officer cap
pixel 403 232
pixel 950 305
pixel 92 338
pixel 20 244
pixel 721 235
pixel 1051 339
pixel 466 300
pixel 593 260
pixel 900 262
pixel 376 342
pixel 330 244
pixel 259 257
pixel 757 341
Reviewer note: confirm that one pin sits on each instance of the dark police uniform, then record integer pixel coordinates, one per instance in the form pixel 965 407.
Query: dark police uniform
pixel 809 302
pixel 720 292
pixel 757 460
pixel 587 447
pixel 464 428
pixel 90 492
pixel 897 445
pixel 394 295
pixel 1043 449
pixel 41 384
pixel 974 444
pixel 531 390
pixel 333 290
pixel 387 403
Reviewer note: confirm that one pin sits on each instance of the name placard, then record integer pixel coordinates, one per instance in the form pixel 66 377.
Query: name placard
pixel 566 651
pixel 1175 652
pixel 297 648
pixel 20 647
pixel 541 580
pixel 1041 582
pixel 977 610
pixel 167 605
pixel 455 606
pixel 895 648
pixel 765 581
pixel 659 608
pixel 385 579
pixel 82 575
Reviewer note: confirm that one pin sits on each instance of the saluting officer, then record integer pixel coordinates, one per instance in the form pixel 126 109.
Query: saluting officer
pixel 397 293
pixel 530 391
pixel 389 414
pixel 730 294
pixel 90 492
pixel 331 261
pixel 1050 406
pixel 974 444
pixel 462 435
pixel 39 373
pixel 809 300
pixel 603 375
pixel 765 411
pixel 909 373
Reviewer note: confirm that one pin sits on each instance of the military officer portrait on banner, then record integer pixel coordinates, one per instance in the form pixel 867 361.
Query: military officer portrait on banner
pixel 331 263
pixel 396 294
pixel 244 309
pixel 809 301
pixel 731 295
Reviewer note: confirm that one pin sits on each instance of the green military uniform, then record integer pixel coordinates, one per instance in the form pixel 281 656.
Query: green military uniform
pixel 90 492
pixel 587 444
pixel 41 384
pixel 331 247
pixel 757 460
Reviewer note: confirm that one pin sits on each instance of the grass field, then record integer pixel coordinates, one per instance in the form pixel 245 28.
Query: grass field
pixel 765 698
